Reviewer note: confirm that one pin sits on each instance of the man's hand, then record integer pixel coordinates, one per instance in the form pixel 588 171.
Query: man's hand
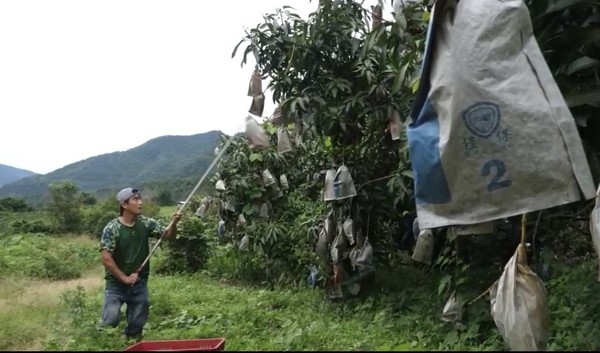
pixel 175 218
pixel 131 279
pixel 172 230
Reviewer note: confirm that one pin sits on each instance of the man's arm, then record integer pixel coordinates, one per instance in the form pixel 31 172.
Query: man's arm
pixel 110 264
pixel 156 230
pixel 172 231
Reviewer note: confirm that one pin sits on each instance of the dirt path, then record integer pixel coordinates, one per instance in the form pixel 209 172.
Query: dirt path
pixel 33 293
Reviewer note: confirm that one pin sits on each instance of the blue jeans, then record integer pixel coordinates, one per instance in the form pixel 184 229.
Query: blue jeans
pixel 136 298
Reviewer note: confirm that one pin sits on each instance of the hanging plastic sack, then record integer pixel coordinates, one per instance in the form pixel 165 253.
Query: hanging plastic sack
pixel 400 5
pixel 423 251
pixel 595 228
pixel 329 194
pixel 339 246
pixel 376 15
pixel 264 211
pixel 491 135
pixel 329 227
pixel 267 178
pixel 283 182
pixel 221 228
pixel 220 185
pixel 364 258
pixel 343 186
pixel 479 228
pixel 201 211
pixel 244 243
pixel 216 150
pixel 415 228
pixel 453 310
pixel 283 140
pixel 349 230
pixel 334 289
pixel 298 132
pixel 322 246
pixel 258 105
pixel 338 185
pixel 241 221
pixel 255 85
pixel 277 116
pixel 255 133
pixel 519 305
pixel 229 205
pixel 276 192
pixel 395 124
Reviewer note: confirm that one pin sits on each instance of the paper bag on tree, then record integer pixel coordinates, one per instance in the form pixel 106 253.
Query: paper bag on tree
pixel 519 305
pixel 491 135
pixel 595 228
pixel 255 85
pixel 255 133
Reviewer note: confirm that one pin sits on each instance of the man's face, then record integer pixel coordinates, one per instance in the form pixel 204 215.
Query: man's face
pixel 134 204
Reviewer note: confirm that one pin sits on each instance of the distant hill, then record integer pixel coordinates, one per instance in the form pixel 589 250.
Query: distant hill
pixel 174 160
pixel 10 174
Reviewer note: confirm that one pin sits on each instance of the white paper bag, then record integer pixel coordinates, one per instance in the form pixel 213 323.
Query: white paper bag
pixel 595 228
pixel 491 135
pixel 395 124
pixel 519 305
pixel 283 140
pixel 255 133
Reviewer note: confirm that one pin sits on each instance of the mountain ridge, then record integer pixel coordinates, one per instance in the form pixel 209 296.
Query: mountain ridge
pixel 164 158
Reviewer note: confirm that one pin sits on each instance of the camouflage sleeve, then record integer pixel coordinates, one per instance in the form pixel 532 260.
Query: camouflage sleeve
pixel 108 239
pixel 155 229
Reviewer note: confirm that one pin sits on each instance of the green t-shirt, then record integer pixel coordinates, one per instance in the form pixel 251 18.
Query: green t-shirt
pixel 129 246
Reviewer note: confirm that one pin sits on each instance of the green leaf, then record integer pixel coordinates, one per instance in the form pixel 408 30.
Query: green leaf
pixel 446 280
pixel 558 5
pixel 407 173
pixel 236 48
pixel 583 63
pixel 319 100
pixel 301 103
pixel 590 95
pixel 415 86
pixel 399 79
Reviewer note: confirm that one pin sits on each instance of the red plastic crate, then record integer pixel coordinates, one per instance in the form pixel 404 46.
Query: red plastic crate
pixel 199 345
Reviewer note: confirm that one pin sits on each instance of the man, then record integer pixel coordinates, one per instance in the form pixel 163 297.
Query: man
pixel 124 246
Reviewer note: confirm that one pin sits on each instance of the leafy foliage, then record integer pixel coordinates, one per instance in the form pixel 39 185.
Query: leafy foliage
pixel 14 204
pixel 338 80
pixel 43 257
pixel 568 32
pixel 190 249
pixel 64 206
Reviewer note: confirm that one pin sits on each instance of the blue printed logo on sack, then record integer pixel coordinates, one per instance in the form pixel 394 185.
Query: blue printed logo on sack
pixel 482 119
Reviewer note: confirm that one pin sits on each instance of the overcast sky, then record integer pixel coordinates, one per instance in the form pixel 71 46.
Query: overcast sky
pixel 81 78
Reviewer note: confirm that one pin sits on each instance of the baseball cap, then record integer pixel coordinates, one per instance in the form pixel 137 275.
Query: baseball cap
pixel 126 193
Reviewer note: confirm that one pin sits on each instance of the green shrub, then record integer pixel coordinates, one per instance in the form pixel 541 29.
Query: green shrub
pixel 40 256
pixel 189 250
pixel 33 226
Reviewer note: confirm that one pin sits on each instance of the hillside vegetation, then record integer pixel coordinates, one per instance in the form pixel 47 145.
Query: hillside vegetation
pixel 173 162
pixel 10 174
